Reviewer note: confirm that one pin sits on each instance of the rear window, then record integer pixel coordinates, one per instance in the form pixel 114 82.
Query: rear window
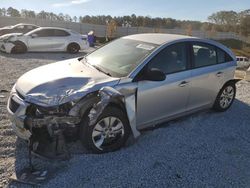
pixel 61 33
pixel 223 57
pixel 204 55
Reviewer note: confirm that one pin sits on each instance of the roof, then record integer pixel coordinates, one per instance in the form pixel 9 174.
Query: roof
pixel 156 38
pixel 54 28
pixel 26 24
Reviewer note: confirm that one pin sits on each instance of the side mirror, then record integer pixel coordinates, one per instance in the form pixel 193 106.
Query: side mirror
pixel 154 74
pixel 33 35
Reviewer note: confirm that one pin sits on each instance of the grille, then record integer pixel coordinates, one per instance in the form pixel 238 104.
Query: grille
pixel 13 105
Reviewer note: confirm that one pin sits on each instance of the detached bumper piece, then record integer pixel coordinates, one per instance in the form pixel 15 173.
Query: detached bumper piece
pixel 48 135
pixel 56 122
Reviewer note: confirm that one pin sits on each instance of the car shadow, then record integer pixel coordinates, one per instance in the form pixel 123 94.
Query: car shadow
pixel 164 148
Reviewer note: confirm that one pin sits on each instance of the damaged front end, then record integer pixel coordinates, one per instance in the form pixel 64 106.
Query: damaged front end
pixel 47 128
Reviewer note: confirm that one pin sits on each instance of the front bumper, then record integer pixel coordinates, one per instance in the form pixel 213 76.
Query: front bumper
pixel 6 46
pixel 22 124
pixel 17 109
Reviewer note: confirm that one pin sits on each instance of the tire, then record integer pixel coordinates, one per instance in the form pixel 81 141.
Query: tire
pixel 91 135
pixel 226 94
pixel 19 48
pixel 73 48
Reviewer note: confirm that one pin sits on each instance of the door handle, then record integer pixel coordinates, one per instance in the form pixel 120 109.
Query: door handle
pixel 219 74
pixel 183 84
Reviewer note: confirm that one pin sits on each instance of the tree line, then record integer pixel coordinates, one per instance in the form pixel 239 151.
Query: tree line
pixel 224 21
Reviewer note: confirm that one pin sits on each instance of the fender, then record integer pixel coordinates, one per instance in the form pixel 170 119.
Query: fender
pixel 109 95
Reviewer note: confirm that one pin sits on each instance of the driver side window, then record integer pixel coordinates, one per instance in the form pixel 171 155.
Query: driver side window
pixel 171 59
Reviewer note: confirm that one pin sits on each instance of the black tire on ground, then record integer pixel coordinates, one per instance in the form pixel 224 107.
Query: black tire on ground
pixel 73 48
pixel 19 48
pixel 86 131
pixel 218 104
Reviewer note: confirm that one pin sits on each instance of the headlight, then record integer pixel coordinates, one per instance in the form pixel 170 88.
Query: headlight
pixel 7 38
pixel 10 38
pixel 13 90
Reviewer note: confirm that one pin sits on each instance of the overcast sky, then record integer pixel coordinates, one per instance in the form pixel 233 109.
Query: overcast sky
pixel 178 9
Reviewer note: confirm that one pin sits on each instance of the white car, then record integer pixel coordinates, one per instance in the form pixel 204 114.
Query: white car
pixel 242 61
pixel 44 39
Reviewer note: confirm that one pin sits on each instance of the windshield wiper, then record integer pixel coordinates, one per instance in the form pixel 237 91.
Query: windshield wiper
pixel 84 59
pixel 101 70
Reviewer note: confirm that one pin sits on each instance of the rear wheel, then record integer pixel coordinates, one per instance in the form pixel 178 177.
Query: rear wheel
pixel 225 97
pixel 73 48
pixel 19 47
pixel 108 134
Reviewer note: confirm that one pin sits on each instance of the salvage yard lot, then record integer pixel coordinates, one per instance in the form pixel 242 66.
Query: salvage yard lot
pixel 206 149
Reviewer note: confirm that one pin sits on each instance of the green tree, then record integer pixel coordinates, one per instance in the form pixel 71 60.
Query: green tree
pixel 226 19
pixel 245 26
pixel 13 12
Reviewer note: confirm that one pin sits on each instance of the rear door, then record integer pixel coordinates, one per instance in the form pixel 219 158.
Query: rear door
pixel 60 39
pixel 158 100
pixel 207 75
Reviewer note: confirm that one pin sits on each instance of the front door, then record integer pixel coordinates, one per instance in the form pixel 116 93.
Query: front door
pixel 158 100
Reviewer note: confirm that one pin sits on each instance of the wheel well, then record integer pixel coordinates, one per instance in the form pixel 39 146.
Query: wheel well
pixel 75 43
pixel 20 42
pixel 119 105
pixel 234 81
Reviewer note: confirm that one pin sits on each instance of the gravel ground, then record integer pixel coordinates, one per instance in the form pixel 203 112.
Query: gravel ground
pixel 207 149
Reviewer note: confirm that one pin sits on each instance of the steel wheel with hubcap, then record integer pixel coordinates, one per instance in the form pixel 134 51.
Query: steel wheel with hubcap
pixel 225 97
pixel 110 132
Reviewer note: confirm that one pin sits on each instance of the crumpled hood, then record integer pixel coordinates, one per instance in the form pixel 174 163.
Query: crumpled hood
pixel 61 82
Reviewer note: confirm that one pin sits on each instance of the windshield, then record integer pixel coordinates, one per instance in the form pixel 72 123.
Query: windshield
pixel 120 57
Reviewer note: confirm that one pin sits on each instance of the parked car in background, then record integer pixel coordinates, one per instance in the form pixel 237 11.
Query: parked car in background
pixel 242 61
pixel 19 28
pixel 43 39
pixel 132 83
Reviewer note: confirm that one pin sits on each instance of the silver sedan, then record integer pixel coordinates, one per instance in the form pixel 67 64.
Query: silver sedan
pixel 127 85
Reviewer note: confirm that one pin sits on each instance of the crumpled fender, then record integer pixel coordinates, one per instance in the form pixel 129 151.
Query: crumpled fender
pixel 125 96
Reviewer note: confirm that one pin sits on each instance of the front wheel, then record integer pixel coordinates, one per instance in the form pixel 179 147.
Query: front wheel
pixel 108 134
pixel 225 97
pixel 19 48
